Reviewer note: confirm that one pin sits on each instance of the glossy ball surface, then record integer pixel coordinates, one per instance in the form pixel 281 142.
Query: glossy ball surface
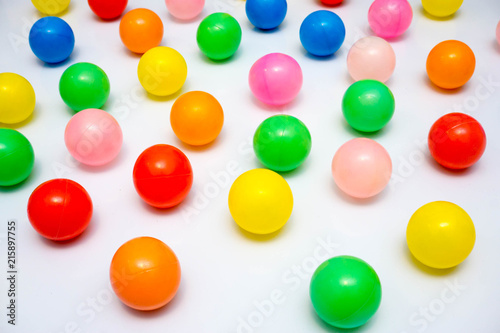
pixel 196 118
pixel 345 292
pixel 16 157
pixel 371 58
pixel 457 141
pixel 282 143
pixel 219 36
pixel 17 98
pixel 390 18
pixel 260 201
pixel 162 176
pixel 322 33
pixel 84 86
pixel 185 9
pixel 441 8
pixel 440 235
pixel 266 14
pixel 361 168
pixel 51 39
pixel 53 7
pixel 140 30
pixel 60 209
pixel 108 9
pixel 145 273
pixel 450 64
pixel 275 79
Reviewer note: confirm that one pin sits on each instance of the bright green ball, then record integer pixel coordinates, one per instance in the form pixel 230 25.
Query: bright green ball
pixel 16 157
pixel 345 291
pixel 368 105
pixel 282 143
pixel 219 36
pixel 84 86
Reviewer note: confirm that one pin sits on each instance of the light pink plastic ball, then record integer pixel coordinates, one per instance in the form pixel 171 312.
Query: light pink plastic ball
pixel 275 79
pixel 185 9
pixel 93 137
pixel 361 168
pixel 390 18
pixel 498 32
pixel 371 58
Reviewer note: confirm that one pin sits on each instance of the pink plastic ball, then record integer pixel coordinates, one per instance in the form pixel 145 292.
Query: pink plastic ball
pixel 498 32
pixel 275 79
pixel 185 9
pixel 371 58
pixel 361 168
pixel 93 137
pixel 390 18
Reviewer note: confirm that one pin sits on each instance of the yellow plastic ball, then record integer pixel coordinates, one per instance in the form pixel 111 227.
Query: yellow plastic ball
pixel 162 71
pixel 440 234
pixel 441 8
pixel 260 201
pixel 17 98
pixel 51 7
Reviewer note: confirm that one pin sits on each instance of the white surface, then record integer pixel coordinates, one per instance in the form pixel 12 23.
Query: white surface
pixel 65 287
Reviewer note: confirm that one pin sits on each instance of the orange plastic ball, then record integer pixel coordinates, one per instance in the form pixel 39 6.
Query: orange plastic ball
pixel 145 273
pixel 140 30
pixel 450 64
pixel 197 118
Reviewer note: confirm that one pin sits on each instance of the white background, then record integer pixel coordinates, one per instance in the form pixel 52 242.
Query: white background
pixel 225 272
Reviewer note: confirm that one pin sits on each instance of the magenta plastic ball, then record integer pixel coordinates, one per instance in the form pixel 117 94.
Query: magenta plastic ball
pixel 371 58
pixel 185 9
pixel 275 79
pixel 390 18
pixel 93 137
pixel 361 168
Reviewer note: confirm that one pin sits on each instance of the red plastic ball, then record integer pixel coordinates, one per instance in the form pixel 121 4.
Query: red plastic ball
pixel 60 209
pixel 163 176
pixel 331 2
pixel 108 9
pixel 457 141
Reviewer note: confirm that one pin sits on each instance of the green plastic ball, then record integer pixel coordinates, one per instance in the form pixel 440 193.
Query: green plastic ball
pixel 345 291
pixel 282 143
pixel 84 86
pixel 368 105
pixel 16 157
pixel 219 36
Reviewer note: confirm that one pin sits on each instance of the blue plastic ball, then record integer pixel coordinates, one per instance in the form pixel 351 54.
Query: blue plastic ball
pixel 266 14
pixel 51 39
pixel 322 33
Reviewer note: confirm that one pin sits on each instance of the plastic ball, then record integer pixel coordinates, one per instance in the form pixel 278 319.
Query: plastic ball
pixel 196 118
pixel 441 8
pixel 450 64
pixel 498 32
pixel 331 2
pixel 361 168
pixel 390 18
pixel 368 105
pixel 371 58
pixel 457 141
pixel 145 273
pixel 266 14
pixel 52 7
pixel 16 157
pixel 345 291
pixel 440 235
pixel 282 143
pixel 162 176
pixel 84 86
pixel 185 9
pixel 108 9
pixel 275 79
pixel 322 33
pixel 60 209
pixel 140 30
pixel 17 98
pixel 260 201
pixel 51 39
pixel 219 36
pixel 93 137
pixel 162 71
